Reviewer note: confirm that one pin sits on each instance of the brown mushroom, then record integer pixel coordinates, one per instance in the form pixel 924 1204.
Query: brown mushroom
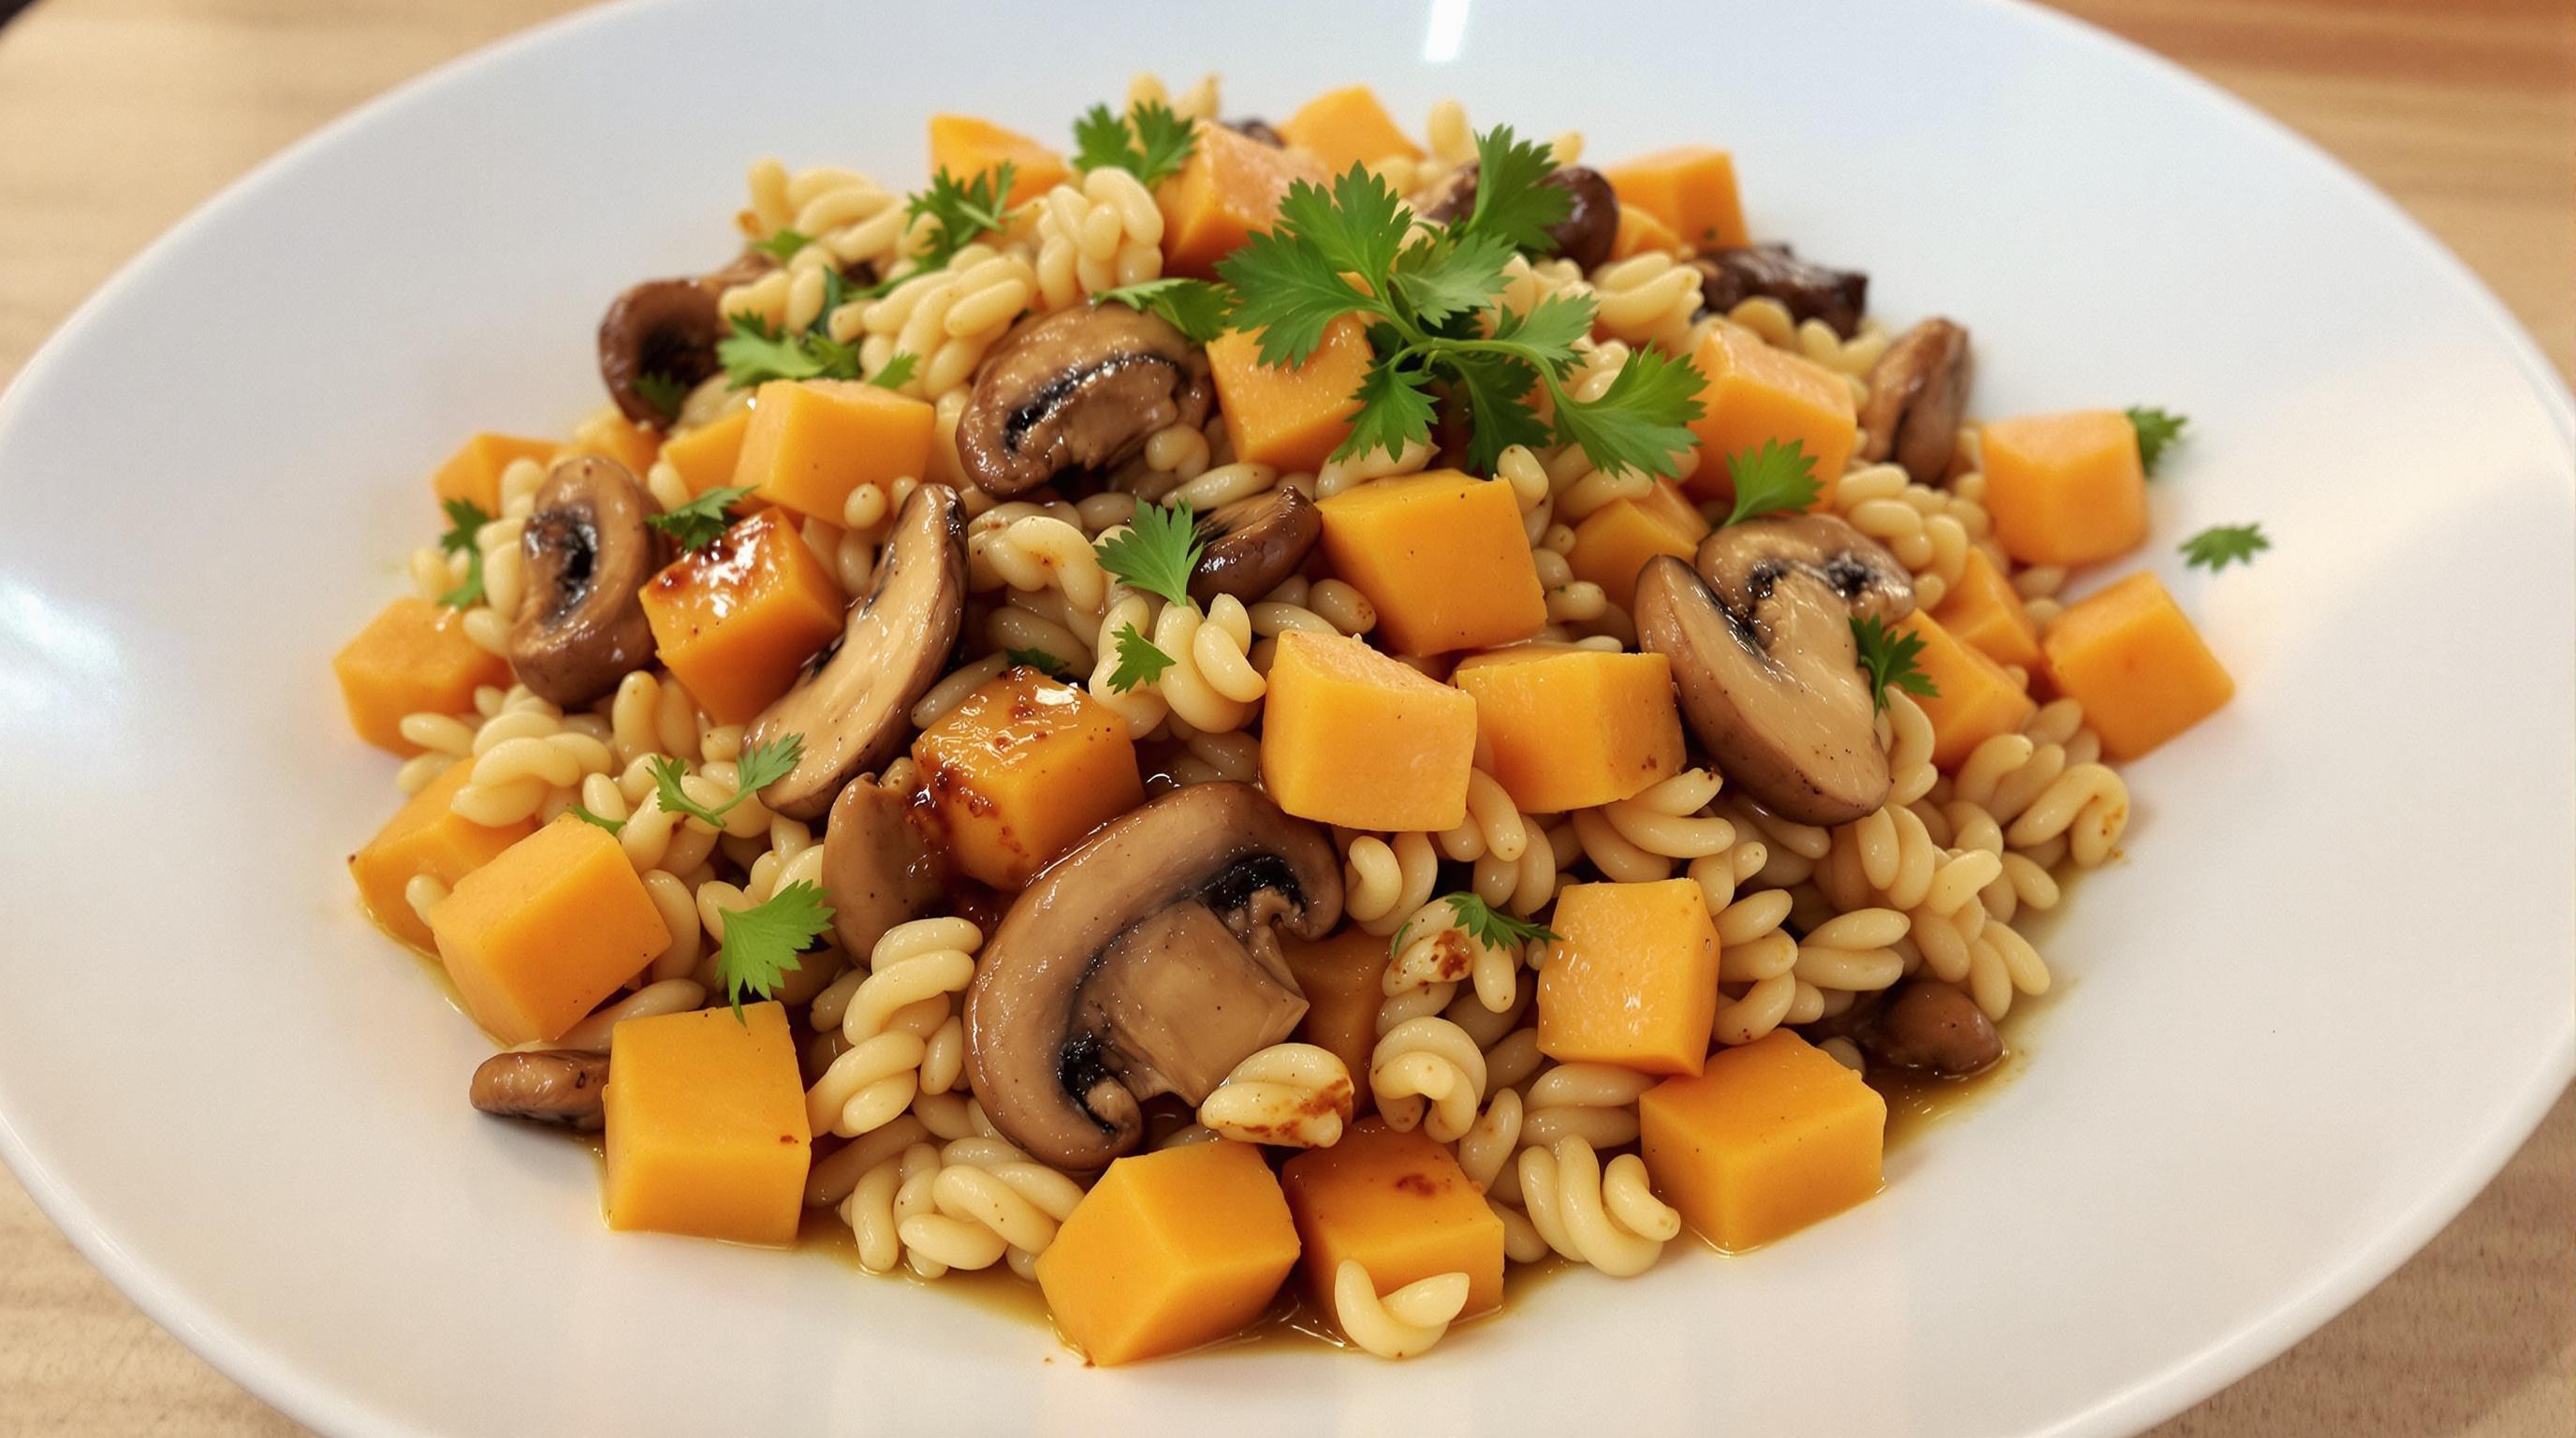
pixel 1762 654
pixel 1917 391
pixel 1078 390
pixel 1146 961
pixel 1927 1024
pixel 1253 544
pixel 1584 236
pixel 663 328
pixel 851 704
pixel 1260 132
pixel 882 864
pixel 565 1087
pixel 1810 291
pixel 586 552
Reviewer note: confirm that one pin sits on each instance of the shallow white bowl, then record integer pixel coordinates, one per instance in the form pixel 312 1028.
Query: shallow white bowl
pixel 2317 1008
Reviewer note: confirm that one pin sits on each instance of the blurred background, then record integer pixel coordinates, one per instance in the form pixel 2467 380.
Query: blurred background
pixel 118 116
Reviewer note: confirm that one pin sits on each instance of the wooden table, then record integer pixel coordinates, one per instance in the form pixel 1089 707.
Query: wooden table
pixel 117 116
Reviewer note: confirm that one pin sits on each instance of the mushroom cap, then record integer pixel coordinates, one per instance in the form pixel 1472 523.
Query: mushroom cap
pixel 881 864
pixel 1760 641
pixel 853 700
pixel 1080 389
pixel 1810 291
pixel 1146 961
pixel 1927 1024
pixel 1586 234
pixel 1917 392
pixel 663 327
pixel 1254 543
pixel 587 552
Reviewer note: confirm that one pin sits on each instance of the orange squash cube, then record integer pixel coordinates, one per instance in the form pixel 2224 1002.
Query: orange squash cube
pixel 1291 418
pixel 1613 543
pixel 1343 976
pixel 1441 555
pixel 425 836
pixel 733 622
pixel 1230 187
pixel 1757 394
pixel 1347 127
pixel 611 435
pixel 550 926
pixel 1977 699
pixel 2133 660
pixel 473 473
pixel 1640 232
pixel 1021 770
pixel 2065 488
pixel 1169 1251
pixel 1632 978
pixel 707 456
pixel 1985 611
pixel 413 656
pixel 1569 728
pixel 706 1126
pixel 1770 1138
pixel 811 442
pixel 1691 188
pixel 965 147
pixel 1401 1206
pixel 1351 737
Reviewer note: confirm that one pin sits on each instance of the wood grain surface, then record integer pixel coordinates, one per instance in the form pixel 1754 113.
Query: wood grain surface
pixel 117 116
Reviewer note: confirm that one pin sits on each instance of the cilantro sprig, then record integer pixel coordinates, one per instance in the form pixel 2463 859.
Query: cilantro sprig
pixel 1775 479
pixel 464 519
pixel 1157 550
pixel 1490 927
pixel 963 211
pixel 1194 307
pixel 763 943
pixel 696 524
pixel 1887 658
pixel 1139 661
pixel 759 766
pixel 2220 545
pixel 1149 142
pixel 2157 430
pixel 662 391
pixel 600 821
pixel 782 244
pixel 757 352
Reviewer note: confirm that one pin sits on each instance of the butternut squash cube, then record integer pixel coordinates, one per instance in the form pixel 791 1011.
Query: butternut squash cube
pixel 1399 1204
pixel 1441 555
pixel 425 836
pixel 1757 394
pixel 1985 611
pixel 1632 979
pixel 811 442
pixel 1351 737
pixel 1170 1250
pixel 1021 770
pixel 2133 660
pixel 474 471
pixel 1569 728
pixel 1640 232
pixel 1773 1136
pixel 1342 975
pixel 611 435
pixel 1691 188
pixel 549 927
pixel 706 1126
pixel 1613 543
pixel 413 656
pixel 2065 488
pixel 1291 418
pixel 1230 187
pixel 965 147
pixel 1978 700
pixel 1347 127
pixel 707 456
pixel 733 622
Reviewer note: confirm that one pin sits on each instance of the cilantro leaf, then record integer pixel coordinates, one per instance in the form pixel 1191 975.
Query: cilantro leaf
pixel 697 523
pixel 1496 389
pixel 1139 661
pixel 898 370
pixel 764 942
pixel 1513 204
pixel 782 245
pixel 1288 289
pixel 664 392
pixel 1100 140
pixel 760 765
pixel 757 352
pixel 2157 430
pixel 1041 661
pixel 1642 420
pixel 1887 658
pixel 1151 142
pixel 1395 410
pixel 1440 277
pixel 587 817
pixel 963 212
pixel 1357 227
pixel 1194 307
pixel 465 519
pixel 1156 552
pixel 2220 545
pixel 1775 479
pixel 1490 927
pixel 1552 326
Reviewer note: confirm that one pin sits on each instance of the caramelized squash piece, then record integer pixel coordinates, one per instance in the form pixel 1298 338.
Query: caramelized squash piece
pixel 1985 612
pixel 2065 488
pixel 1632 978
pixel 811 442
pixel 1569 728
pixel 1757 394
pixel 1770 1138
pixel 537 937
pixel 1343 978
pixel 1441 555
pixel 1291 418
pixel 1351 737
pixel 425 837
pixel 1401 1206
pixel 412 657
pixel 965 147
pixel 1347 127
pixel 1230 187
pixel 1021 770
pixel 706 457
pixel 473 473
pixel 735 621
pixel 1170 1250
pixel 1613 543
pixel 2133 660
pixel 1690 188
pixel 1978 700
pixel 706 1126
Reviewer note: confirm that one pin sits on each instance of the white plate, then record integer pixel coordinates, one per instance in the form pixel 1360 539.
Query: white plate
pixel 2318 1008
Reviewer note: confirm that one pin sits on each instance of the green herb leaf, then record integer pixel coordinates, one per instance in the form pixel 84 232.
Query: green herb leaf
pixel 782 245
pixel 1775 479
pixel 1395 410
pixel 1151 143
pixel 1289 290
pixel 1642 420
pixel 664 392
pixel 1887 658
pixel 964 212
pixel 757 352
pixel 1194 307
pixel 1041 661
pixel 1100 140
pixel 465 519
pixel 2220 545
pixel 1139 662
pixel 1490 927
pixel 1441 276
pixel 587 817
pixel 759 765
pixel 1496 389
pixel 697 523
pixel 899 369
pixel 1358 226
pixel 1512 203
pixel 766 941
pixel 1156 551
pixel 2157 430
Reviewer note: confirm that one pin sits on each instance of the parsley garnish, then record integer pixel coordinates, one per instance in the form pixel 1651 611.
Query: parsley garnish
pixel 964 212
pixel 1775 479
pixel 664 392
pixel 783 245
pixel 1151 143
pixel 583 814
pixel 1513 199
pixel 1139 662
pixel 759 766
pixel 1194 307
pixel 2157 429
pixel 756 352
pixel 1887 657
pixel 2220 545
pixel 1156 551
pixel 1488 926
pixel 464 518
pixel 697 523
pixel 1041 661
pixel 762 943
pixel 897 372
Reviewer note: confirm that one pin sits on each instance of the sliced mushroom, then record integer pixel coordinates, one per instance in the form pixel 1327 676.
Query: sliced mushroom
pixel 1145 962
pixel 587 552
pixel 851 703
pixel 1927 1024
pixel 1254 544
pixel 881 864
pixel 1811 291
pixel 1917 391
pixel 1760 641
pixel 664 328
pixel 565 1087
pixel 1584 236
pixel 1080 389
